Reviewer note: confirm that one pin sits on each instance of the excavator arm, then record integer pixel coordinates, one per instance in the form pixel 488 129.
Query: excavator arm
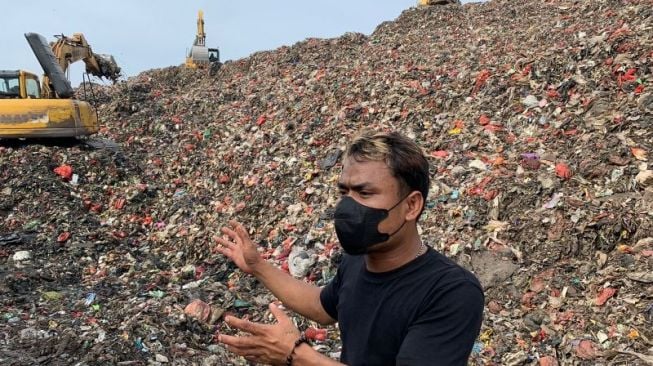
pixel 200 37
pixel 69 50
pixel 56 57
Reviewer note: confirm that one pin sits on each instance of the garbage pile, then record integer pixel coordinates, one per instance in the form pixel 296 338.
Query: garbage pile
pixel 536 117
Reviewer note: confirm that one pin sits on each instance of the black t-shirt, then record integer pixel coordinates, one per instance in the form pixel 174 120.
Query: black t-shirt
pixel 427 312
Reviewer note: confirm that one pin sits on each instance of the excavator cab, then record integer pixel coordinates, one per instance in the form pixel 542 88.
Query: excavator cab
pixel 19 84
pixel 214 55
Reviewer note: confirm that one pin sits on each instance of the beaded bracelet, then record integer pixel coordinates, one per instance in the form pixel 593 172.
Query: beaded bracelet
pixel 302 339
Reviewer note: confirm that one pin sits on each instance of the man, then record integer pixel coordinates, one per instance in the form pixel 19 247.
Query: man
pixel 397 301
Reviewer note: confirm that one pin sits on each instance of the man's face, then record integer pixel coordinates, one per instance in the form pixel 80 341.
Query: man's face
pixel 372 184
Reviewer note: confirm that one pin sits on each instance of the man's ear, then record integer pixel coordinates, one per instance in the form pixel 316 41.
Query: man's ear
pixel 415 202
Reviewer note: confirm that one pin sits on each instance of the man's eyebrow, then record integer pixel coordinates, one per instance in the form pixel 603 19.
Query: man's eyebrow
pixel 355 187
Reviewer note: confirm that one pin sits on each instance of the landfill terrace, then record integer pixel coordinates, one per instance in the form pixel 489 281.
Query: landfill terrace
pixel 536 117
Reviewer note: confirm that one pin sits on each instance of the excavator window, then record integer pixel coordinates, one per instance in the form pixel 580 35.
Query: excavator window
pixel 33 89
pixel 214 55
pixel 9 86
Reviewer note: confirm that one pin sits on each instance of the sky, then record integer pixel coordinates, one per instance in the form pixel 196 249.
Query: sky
pixel 144 35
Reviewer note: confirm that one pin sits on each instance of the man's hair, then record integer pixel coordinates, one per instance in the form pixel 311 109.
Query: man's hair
pixel 402 155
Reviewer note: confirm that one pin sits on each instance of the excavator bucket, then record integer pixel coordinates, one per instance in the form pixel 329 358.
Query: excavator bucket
pixel 49 63
pixel 108 67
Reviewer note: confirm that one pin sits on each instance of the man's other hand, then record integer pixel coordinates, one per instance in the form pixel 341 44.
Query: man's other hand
pixel 267 343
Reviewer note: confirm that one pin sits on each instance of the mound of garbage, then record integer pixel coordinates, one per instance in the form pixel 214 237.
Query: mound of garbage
pixel 536 117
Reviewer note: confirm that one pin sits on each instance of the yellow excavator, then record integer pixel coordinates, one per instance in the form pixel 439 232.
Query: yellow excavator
pixel 437 2
pixel 199 55
pixel 48 109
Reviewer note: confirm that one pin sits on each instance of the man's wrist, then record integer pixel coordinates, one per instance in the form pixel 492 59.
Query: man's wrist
pixel 258 268
pixel 301 340
pixel 303 354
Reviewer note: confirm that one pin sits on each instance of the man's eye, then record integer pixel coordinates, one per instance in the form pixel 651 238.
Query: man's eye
pixel 365 194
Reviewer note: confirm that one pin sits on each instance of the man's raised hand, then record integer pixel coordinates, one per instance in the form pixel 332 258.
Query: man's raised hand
pixel 238 247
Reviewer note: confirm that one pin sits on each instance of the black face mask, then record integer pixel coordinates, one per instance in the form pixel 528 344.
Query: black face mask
pixel 357 226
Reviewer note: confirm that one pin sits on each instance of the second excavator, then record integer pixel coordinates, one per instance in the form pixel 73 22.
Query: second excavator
pixel 199 55
pixel 437 2
pixel 29 109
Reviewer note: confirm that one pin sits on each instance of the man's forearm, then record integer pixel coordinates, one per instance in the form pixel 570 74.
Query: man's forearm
pixel 300 296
